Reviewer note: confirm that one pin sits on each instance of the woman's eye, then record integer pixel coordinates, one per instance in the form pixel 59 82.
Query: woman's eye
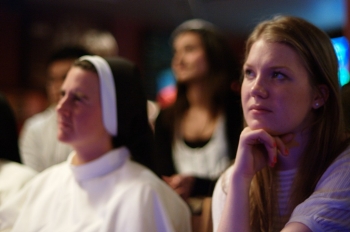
pixel 77 99
pixel 190 48
pixel 248 73
pixel 62 93
pixel 279 76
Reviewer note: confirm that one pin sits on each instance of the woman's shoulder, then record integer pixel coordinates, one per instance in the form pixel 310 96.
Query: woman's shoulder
pixel 138 175
pixel 9 169
pixel 139 179
pixel 13 177
pixel 338 173
pixel 330 199
pixel 343 159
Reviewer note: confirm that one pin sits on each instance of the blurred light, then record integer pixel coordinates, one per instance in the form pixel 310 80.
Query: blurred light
pixel 166 88
pixel 341 47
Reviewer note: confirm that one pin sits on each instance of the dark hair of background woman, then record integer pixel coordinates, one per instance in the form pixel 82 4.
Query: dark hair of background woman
pixel 8 132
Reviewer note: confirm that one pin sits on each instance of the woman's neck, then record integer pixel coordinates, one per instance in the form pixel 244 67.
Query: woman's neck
pixel 85 154
pixel 199 121
pixel 197 95
pixel 296 148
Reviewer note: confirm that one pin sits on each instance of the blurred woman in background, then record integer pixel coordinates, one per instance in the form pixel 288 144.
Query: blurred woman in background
pixel 197 137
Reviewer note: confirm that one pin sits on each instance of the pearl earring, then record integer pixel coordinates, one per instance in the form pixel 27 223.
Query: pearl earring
pixel 316 105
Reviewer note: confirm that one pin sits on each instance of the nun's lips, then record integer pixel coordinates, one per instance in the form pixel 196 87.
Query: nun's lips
pixel 63 124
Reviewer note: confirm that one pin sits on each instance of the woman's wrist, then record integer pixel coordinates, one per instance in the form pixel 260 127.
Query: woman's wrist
pixel 240 179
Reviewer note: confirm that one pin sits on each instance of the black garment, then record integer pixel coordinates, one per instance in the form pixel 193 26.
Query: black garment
pixel 164 164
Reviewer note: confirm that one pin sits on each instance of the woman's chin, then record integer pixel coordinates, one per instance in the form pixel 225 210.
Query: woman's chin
pixel 270 130
pixel 63 138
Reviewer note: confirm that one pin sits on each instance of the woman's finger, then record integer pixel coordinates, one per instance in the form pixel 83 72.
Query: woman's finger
pixel 281 146
pixel 263 144
pixel 271 149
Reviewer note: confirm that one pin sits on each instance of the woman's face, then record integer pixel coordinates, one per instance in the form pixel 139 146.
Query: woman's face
pixel 79 109
pixel 189 62
pixel 57 72
pixel 276 92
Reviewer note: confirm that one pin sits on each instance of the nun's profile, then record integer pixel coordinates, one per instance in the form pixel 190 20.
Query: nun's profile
pixel 102 114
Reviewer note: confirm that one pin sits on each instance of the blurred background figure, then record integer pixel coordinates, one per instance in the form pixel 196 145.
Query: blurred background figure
pixel 99 42
pixel 30 102
pixel 40 148
pixel 13 175
pixel 153 109
pixel 197 136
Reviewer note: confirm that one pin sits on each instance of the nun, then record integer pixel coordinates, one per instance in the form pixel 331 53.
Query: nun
pixel 102 114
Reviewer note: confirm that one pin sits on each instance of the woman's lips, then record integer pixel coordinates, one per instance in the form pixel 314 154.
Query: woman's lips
pixel 259 109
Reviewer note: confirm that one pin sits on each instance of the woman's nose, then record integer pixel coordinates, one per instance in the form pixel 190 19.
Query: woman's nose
pixel 62 105
pixel 177 57
pixel 259 88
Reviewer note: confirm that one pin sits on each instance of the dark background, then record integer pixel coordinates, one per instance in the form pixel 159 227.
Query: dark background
pixel 30 30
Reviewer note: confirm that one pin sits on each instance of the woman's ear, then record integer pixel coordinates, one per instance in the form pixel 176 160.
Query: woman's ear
pixel 321 96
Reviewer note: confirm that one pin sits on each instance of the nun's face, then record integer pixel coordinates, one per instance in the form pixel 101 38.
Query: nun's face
pixel 79 110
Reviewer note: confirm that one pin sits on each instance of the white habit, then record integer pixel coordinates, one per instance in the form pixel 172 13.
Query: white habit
pixel 111 193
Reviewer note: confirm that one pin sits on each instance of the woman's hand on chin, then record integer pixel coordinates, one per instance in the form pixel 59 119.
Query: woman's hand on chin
pixel 257 149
